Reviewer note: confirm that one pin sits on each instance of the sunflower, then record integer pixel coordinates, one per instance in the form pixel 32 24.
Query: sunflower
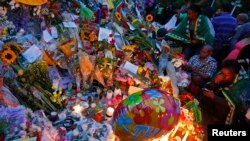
pixel 8 56
pixel 12 46
pixel 118 16
pixel 83 36
pixel 92 37
pixel 149 18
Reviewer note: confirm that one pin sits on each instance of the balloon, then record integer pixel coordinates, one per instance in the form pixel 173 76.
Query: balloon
pixel 145 115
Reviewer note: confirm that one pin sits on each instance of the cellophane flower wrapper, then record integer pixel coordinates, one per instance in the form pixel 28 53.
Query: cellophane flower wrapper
pixel 7 98
pixel 86 67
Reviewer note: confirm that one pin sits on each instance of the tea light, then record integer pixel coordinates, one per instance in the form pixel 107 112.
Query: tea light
pixel 110 112
pixel 109 94
pixel 75 133
pixel 53 116
pixel 78 109
pixel 62 116
pixel 93 105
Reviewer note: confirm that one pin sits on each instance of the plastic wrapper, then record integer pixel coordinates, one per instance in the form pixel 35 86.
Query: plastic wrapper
pixel 6 97
pixel 86 67
pixel 69 47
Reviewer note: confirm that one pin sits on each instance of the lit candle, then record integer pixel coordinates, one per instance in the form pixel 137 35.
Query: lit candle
pixel 175 129
pixel 109 94
pixel 78 109
pixel 185 136
pixel 110 111
pixel 117 92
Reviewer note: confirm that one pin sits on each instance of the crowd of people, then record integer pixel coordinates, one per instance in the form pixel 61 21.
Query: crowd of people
pixel 216 49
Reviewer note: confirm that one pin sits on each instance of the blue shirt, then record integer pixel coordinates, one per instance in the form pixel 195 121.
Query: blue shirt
pixel 224 26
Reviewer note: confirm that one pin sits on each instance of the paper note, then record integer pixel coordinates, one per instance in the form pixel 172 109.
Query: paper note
pixel 130 67
pixel 32 54
pixel 46 36
pixel 54 32
pixel 171 23
pixel 104 34
pixel 69 24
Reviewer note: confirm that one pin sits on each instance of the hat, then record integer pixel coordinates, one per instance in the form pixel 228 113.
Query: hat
pixel 161 32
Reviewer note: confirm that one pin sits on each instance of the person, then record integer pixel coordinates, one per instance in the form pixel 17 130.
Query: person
pixel 202 68
pixel 221 97
pixel 242 32
pixel 224 26
pixel 192 32
pixel 242 18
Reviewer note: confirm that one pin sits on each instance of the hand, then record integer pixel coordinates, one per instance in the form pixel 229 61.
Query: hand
pixel 218 79
pixel 195 41
pixel 209 94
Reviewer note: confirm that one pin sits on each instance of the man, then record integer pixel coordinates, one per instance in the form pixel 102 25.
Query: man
pixel 224 26
pixel 222 95
pixel 202 68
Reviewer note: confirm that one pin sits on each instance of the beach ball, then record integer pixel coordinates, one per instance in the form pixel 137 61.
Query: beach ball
pixel 145 115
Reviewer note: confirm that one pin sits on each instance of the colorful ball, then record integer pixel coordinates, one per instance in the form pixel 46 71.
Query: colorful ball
pixel 146 115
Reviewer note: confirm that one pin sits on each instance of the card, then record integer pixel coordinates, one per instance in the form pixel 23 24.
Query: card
pixel 104 34
pixel 54 32
pixel 69 24
pixel 32 54
pixel 46 36
pixel 130 67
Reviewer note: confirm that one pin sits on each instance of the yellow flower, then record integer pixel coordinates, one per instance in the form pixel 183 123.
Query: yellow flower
pixel 149 18
pixel 92 37
pixel 20 72
pixel 83 36
pixel 12 46
pixel 118 16
pixel 8 56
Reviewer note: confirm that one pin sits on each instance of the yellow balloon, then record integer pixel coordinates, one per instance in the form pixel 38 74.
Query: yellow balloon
pixel 32 2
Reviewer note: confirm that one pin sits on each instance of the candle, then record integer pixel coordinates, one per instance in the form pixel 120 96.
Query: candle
pixel 53 116
pixel 109 94
pixel 110 111
pixel 75 133
pixel 78 109
pixel 185 136
pixel 175 129
pixel 98 117
pixel 93 105
pixel 117 92
pixel 62 116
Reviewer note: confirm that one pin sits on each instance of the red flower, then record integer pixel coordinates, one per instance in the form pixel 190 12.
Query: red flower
pixel 142 114
pixel 112 41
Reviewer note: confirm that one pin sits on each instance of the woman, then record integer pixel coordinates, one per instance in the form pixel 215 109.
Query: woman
pixel 193 31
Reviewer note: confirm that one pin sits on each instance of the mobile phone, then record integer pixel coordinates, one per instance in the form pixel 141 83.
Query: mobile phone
pixel 205 89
